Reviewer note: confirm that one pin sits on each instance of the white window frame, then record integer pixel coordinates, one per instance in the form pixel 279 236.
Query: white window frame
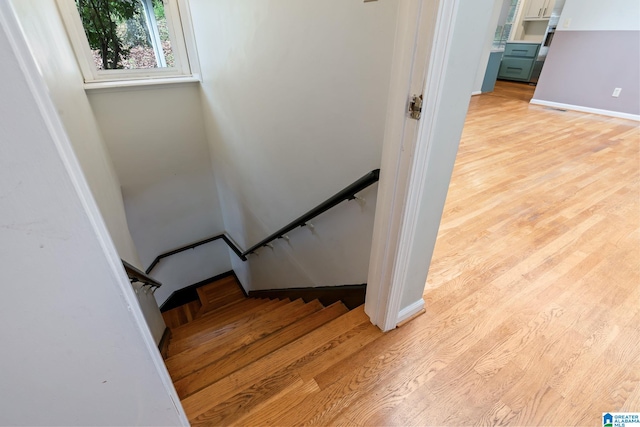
pixel 180 32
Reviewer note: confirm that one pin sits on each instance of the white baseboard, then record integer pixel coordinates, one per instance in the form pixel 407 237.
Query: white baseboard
pixel 409 311
pixel 476 92
pixel 609 113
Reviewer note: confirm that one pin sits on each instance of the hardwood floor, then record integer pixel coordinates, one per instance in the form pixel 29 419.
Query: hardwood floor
pixel 532 302
pixel 533 297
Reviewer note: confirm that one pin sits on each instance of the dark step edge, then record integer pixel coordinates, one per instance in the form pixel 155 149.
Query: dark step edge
pixel 351 296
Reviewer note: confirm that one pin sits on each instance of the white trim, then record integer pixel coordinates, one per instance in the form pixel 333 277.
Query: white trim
pixel 152 25
pixel 176 35
pixel 184 12
pixel 517 21
pixel 397 145
pixel 40 92
pixel 140 83
pixel 410 310
pixel 404 159
pixel 78 39
pixel 432 96
pixel 476 92
pixel 609 113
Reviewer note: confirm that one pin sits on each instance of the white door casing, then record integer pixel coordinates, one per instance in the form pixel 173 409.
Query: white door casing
pixel 437 53
pixel 407 78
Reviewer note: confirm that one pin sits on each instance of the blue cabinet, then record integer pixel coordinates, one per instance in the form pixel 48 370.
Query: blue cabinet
pixel 518 61
pixel 491 74
pixel 521 50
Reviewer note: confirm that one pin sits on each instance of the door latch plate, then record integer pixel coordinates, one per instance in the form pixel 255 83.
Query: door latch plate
pixel 415 107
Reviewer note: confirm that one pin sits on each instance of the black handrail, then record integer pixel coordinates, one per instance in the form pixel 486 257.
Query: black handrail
pixel 195 245
pixel 348 193
pixel 139 276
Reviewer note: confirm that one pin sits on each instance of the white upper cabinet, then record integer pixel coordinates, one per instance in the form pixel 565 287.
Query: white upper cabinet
pixel 538 9
pixel 548 8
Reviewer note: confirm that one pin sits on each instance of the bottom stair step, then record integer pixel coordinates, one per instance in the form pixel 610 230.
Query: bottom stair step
pixel 254 351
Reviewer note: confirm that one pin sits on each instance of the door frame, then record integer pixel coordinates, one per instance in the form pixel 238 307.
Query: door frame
pixel 418 156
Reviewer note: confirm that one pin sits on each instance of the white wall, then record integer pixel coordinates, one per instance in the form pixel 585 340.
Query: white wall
pixel 294 94
pixel 74 347
pixel 156 138
pixel 50 47
pixel 596 49
pixel 597 15
pixel 54 56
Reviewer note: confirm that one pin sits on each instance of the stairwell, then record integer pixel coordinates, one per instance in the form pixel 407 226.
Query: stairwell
pixel 251 361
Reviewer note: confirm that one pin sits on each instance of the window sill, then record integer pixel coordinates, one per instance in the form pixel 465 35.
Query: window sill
pixel 140 83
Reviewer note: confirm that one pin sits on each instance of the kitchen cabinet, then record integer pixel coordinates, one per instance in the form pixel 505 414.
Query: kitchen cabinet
pixel 538 9
pixel 518 61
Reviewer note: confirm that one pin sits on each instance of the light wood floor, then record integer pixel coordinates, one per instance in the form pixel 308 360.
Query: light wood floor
pixel 533 296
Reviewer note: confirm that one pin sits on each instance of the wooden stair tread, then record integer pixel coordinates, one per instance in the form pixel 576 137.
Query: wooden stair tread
pixel 204 332
pixel 332 353
pixel 291 356
pixel 252 396
pixel 220 293
pixel 320 366
pixel 223 313
pixel 238 406
pixel 181 315
pixel 269 411
pixel 256 350
pixel 234 335
pixel 220 284
pixel 219 317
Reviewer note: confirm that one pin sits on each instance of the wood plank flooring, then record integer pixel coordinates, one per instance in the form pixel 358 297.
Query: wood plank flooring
pixel 532 301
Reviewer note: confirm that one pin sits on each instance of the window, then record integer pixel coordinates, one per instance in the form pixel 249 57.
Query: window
pixel 126 39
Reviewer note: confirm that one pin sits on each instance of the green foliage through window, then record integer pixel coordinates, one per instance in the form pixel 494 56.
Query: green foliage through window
pixel 119 35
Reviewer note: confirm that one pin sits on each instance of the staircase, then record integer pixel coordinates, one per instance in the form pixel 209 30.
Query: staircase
pixel 250 361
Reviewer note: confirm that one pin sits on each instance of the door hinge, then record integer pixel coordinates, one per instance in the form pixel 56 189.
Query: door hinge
pixel 415 107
